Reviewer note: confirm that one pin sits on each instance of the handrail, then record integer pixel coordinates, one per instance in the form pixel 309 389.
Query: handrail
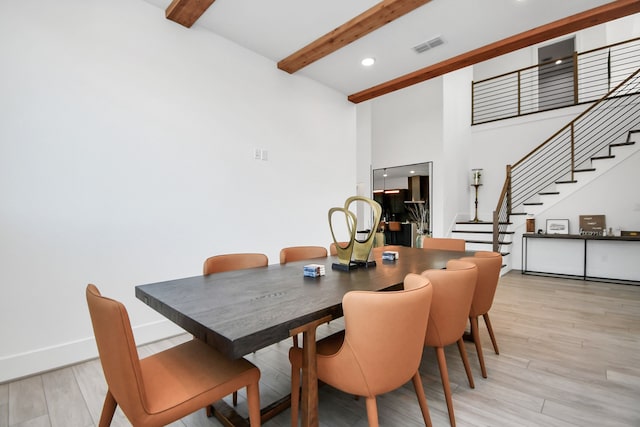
pixel 586 52
pixel 523 91
pixel 497 213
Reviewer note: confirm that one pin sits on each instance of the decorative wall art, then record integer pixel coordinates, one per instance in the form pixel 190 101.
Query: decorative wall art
pixel 592 225
pixel 557 226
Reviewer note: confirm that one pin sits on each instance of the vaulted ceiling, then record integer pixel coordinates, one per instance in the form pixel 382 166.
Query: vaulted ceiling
pixel 326 40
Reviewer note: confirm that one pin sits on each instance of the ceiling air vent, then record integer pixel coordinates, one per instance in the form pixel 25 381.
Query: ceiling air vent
pixel 429 44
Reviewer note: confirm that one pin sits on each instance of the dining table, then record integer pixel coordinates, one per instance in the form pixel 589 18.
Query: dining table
pixel 242 311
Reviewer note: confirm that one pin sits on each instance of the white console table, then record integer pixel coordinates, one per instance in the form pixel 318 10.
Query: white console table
pixel 597 258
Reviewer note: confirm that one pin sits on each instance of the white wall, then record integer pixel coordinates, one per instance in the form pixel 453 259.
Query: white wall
pixel 126 146
pixel 406 129
pixel 405 124
pixel 453 186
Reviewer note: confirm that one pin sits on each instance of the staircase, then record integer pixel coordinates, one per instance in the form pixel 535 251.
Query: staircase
pixel 598 164
pixel 511 234
pixel 479 237
pixel 586 147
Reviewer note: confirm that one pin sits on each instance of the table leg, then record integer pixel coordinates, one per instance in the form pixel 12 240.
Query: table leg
pixel 309 393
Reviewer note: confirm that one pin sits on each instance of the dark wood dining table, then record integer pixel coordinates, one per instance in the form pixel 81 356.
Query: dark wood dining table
pixel 242 311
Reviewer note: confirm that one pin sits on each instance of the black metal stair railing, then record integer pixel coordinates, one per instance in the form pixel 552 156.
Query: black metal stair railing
pixel 569 150
pixel 572 80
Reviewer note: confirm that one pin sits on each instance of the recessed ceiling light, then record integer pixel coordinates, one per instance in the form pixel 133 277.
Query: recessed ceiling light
pixel 412 171
pixel 559 61
pixel 368 62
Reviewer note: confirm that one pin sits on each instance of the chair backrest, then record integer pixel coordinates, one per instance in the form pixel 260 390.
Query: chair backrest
pixel 384 337
pixel 297 253
pixel 489 265
pixel 452 294
pixel 117 350
pixel 332 247
pixel 395 226
pixel 229 262
pixel 444 244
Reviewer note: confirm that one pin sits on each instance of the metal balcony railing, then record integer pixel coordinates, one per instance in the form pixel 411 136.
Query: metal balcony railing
pixel 573 80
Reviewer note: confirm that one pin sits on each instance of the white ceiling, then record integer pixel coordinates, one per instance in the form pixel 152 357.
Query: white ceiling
pixel 278 28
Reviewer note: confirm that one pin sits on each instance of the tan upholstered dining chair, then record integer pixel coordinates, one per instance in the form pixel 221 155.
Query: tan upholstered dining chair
pixel 229 262
pixel 375 354
pixel 298 253
pixel 489 265
pixel 395 227
pixel 452 294
pixel 166 386
pixel 444 244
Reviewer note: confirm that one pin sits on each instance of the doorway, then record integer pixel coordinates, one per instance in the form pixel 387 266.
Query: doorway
pixel 555 75
pixel 398 189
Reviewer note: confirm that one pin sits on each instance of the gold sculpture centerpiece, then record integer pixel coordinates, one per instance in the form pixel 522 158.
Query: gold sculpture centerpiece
pixel 357 252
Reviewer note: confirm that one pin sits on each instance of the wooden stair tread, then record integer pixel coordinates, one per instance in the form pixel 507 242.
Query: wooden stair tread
pixel 572 181
pixel 584 170
pixel 532 203
pixel 622 144
pixel 548 193
pixel 603 157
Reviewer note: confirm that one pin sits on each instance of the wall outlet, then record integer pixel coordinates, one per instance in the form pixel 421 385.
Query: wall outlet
pixel 257 154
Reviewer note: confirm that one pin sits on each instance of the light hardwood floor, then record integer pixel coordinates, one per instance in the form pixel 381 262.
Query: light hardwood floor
pixel 569 356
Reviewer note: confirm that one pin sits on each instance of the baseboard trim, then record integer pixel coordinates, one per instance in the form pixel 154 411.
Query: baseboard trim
pixel 16 366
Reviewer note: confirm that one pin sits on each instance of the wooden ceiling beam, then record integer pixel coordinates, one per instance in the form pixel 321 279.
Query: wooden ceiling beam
pixel 368 21
pixel 187 12
pixel 570 24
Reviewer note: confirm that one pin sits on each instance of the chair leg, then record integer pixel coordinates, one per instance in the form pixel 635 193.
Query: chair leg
pixel 295 394
pixel 490 329
pixel 372 411
pixel 476 340
pixel 295 340
pixel 465 362
pixel 234 398
pixel 108 409
pixel 422 399
pixel 444 376
pixel 253 400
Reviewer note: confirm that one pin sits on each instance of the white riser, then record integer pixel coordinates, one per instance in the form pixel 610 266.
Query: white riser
pixel 471 227
pixel 479 246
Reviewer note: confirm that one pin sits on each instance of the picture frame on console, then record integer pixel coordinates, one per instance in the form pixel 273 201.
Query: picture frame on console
pixel 557 226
